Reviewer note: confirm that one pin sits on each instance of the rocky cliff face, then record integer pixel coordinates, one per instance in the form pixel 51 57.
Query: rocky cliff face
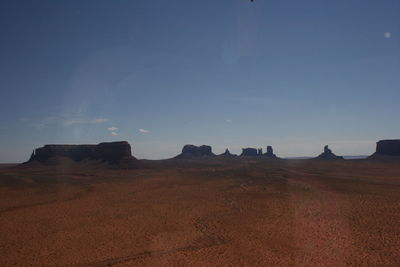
pixel 113 152
pixel 270 152
pixel 388 148
pixel 252 152
pixel 227 153
pixel 328 154
pixel 190 151
pixel 249 152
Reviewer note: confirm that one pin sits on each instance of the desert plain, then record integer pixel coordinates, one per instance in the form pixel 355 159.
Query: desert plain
pixel 216 212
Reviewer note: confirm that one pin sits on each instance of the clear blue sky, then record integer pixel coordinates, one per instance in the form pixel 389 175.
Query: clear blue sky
pixel 292 74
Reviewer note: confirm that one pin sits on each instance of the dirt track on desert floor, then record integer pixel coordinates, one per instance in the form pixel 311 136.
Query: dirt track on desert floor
pixel 210 213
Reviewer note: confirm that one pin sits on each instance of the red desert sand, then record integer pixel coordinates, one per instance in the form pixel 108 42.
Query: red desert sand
pixel 202 213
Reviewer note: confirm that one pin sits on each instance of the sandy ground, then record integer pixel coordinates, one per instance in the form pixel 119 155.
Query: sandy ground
pixel 210 213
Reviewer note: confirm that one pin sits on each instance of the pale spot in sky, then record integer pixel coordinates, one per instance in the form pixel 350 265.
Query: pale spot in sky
pixel 144 131
pixel 114 133
pixel 387 35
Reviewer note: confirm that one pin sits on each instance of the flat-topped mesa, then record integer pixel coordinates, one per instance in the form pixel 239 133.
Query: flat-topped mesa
pixel 249 152
pixel 328 154
pixel 113 152
pixel 387 148
pixel 190 151
pixel 270 153
pixel 227 153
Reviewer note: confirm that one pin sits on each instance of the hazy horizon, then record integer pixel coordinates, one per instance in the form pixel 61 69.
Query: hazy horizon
pixel 296 75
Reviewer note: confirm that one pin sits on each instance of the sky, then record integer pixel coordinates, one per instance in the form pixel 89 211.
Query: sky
pixel 229 73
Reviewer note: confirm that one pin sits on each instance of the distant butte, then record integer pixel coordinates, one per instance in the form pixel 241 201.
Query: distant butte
pixel 388 148
pixel 270 153
pixel 328 154
pixel 192 151
pixel 249 152
pixel 112 153
pixel 227 153
pixel 253 152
